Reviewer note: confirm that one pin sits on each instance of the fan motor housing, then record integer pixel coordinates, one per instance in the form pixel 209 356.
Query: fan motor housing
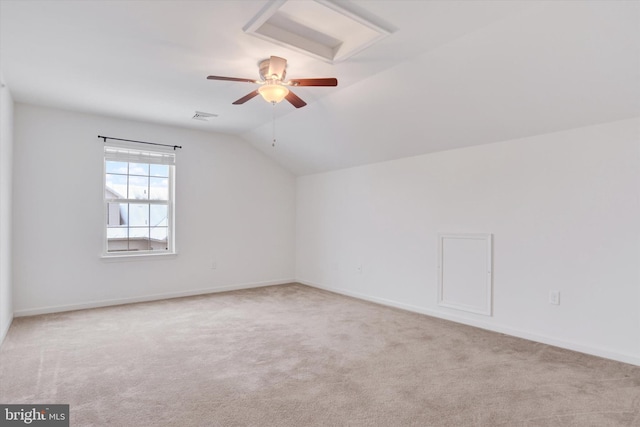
pixel 264 70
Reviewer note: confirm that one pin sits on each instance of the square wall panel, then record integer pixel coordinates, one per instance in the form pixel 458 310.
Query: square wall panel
pixel 465 272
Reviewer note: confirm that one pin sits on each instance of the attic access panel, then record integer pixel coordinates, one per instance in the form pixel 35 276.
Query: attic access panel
pixel 319 28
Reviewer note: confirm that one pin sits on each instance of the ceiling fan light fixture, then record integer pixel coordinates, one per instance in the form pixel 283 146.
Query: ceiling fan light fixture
pixel 273 86
pixel 273 92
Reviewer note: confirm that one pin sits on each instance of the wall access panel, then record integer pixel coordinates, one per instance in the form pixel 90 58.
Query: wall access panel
pixel 465 273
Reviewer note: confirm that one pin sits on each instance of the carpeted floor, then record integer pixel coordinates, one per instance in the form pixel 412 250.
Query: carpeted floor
pixel 296 356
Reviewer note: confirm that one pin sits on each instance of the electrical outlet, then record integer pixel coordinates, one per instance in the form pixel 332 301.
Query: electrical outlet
pixel 214 264
pixel 359 268
pixel 554 297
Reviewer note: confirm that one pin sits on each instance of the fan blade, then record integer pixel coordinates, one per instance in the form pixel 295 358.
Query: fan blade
pixel 231 79
pixel 246 98
pixel 295 100
pixel 277 66
pixel 330 81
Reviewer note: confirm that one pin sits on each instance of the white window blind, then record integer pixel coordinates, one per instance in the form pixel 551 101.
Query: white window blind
pixel 122 154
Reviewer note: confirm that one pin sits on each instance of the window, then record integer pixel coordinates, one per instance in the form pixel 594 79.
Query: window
pixel 138 201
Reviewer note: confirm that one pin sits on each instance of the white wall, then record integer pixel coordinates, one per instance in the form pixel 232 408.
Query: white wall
pixel 563 208
pixel 234 206
pixel 6 167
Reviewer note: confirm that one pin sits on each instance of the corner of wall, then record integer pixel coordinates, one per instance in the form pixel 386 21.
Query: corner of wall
pixel 6 196
pixel 6 324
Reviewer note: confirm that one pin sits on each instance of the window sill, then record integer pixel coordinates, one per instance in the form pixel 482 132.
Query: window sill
pixel 145 256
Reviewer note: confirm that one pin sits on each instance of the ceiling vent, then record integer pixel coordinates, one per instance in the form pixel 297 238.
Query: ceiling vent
pixel 319 28
pixel 204 117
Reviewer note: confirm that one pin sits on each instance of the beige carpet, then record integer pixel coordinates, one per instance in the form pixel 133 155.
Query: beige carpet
pixel 296 356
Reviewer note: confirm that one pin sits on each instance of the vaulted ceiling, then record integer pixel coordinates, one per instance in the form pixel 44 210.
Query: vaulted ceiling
pixel 450 74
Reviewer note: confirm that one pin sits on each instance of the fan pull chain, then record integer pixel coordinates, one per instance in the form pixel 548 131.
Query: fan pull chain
pixel 273 130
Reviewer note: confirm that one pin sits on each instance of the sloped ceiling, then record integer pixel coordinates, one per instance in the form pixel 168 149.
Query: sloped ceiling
pixel 451 74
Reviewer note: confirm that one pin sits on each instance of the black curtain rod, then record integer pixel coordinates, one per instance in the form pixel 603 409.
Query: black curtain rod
pixel 139 142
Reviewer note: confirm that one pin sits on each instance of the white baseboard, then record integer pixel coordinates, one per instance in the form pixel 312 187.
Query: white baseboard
pixel 146 298
pixel 594 351
pixel 5 328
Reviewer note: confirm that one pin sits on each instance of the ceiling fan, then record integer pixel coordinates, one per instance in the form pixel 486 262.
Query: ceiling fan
pixel 273 86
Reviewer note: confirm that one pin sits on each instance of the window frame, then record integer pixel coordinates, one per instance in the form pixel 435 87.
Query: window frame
pixel 170 202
